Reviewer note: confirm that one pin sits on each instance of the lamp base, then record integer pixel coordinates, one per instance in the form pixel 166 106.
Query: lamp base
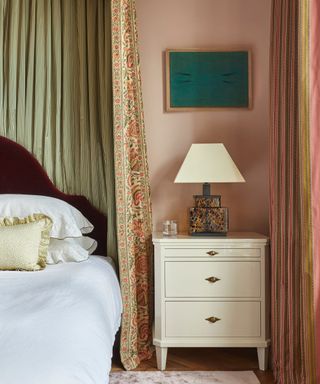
pixel 211 201
pixel 208 220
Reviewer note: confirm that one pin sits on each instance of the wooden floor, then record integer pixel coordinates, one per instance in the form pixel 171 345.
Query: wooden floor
pixel 207 359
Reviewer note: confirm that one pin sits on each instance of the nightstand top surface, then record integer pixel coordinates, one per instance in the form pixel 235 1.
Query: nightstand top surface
pixel 231 236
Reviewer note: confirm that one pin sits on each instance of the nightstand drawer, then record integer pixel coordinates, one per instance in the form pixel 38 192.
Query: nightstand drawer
pixel 212 252
pixel 200 319
pixel 212 279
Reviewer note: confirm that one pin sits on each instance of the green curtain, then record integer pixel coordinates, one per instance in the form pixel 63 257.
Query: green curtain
pixel 56 93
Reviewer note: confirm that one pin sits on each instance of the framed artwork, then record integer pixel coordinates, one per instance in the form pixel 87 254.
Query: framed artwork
pixel 207 79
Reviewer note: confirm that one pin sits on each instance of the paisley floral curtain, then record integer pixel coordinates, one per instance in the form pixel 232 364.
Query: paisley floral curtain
pixel 132 189
pixel 295 191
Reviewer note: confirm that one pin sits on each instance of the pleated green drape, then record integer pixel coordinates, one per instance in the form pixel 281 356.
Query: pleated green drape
pixel 56 93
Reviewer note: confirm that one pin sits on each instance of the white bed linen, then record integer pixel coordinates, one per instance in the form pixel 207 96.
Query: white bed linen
pixel 57 326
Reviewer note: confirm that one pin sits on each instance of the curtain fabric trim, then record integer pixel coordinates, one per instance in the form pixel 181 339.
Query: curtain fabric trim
pixel 134 226
pixel 305 166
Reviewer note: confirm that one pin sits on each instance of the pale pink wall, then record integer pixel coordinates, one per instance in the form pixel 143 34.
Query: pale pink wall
pixel 206 24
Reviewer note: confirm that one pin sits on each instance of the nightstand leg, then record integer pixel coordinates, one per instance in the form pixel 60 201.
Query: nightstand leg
pixel 161 358
pixel 263 354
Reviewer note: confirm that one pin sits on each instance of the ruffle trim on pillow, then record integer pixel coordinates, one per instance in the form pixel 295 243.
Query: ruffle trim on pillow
pixel 45 234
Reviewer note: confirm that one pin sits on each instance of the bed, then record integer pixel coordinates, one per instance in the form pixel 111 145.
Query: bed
pixel 57 325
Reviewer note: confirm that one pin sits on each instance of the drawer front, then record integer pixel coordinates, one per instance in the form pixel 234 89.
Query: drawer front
pixel 212 279
pixel 213 252
pixel 236 319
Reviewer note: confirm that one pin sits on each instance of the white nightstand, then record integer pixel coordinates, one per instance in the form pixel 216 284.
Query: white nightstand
pixel 211 292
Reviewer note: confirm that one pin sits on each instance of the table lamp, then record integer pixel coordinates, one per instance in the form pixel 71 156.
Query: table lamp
pixel 208 163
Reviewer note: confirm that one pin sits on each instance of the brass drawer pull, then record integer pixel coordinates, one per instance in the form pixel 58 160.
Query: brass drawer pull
pixel 213 319
pixel 212 279
pixel 212 253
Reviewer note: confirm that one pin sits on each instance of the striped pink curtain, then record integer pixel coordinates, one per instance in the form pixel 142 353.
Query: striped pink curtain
pixel 315 162
pixel 295 191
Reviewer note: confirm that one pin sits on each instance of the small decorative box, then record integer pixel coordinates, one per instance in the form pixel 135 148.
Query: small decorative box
pixel 211 201
pixel 208 221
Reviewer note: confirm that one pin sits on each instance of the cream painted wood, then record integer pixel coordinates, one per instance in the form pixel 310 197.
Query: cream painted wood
pixel 212 252
pixel 263 356
pixel 206 342
pixel 212 279
pixel 161 354
pixel 180 307
pixel 232 319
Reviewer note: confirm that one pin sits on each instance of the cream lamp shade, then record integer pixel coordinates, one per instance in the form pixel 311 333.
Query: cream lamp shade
pixel 208 163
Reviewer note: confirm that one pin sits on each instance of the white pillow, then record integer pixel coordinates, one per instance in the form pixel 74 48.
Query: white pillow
pixel 67 220
pixel 70 250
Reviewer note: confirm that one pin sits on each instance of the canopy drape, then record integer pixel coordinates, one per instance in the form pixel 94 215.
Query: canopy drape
pixel 56 93
pixel 294 190
pixel 56 99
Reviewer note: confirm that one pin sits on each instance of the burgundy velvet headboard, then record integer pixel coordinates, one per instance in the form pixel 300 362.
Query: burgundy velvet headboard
pixel 21 173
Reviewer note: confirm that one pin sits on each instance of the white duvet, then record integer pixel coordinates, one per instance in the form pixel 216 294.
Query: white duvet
pixel 57 326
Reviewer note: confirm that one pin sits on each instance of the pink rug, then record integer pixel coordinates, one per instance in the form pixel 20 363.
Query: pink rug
pixel 183 377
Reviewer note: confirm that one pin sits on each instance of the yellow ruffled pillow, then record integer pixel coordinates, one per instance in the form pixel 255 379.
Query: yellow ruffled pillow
pixel 24 242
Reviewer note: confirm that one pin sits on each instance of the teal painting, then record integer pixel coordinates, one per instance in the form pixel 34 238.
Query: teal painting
pixel 208 79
